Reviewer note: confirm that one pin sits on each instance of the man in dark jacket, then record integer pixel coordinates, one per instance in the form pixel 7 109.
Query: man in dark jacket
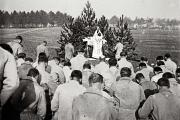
pixel 22 97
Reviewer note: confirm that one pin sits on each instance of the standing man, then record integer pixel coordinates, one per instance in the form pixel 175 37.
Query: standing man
pixel 69 51
pixel 170 65
pixel 16 45
pixel 42 48
pixel 118 48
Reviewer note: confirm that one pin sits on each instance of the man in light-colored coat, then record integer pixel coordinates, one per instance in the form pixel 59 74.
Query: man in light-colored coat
pixel 129 93
pixel 62 100
pixel 93 104
pixel 69 51
pixel 9 80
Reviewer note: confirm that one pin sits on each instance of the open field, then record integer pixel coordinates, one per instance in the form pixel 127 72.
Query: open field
pixel 150 42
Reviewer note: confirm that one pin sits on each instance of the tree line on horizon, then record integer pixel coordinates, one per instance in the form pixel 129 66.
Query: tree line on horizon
pixel 163 22
pixel 32 19
pixel 42 18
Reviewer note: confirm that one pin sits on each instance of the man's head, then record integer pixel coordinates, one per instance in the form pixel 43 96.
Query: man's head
pixel 81 51
pixel 159 58
pixel 57 60
pixel 87 66
pixel 67 63
pixel 123 54
pixel 142 65
pixel 157 70
pixel 76 75
pixel 112 62
pixel 96 79
pixel 21 55
pixel 42 54
pixel 19 39
pixel 29 60
pixel 167 56
pixel 139 78
pixel 160 63
pixel 163 83
pixel 125 72
pixel 168 75
pixel 34 73
pixel 43 60
pixel 44 43
pixel 144 59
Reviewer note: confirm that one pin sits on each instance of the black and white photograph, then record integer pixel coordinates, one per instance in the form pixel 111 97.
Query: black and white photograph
pixel 89 59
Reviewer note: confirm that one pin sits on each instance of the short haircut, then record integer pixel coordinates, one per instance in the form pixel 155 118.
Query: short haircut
pixel 144 59
pixel 45 42
pixel 159 58
pixel 33 72
pixel 7 48
pixel 43 59
pixel 112 62
pixel 42 54
pixel 139 76
pixel 168 75
pixel 142 64
pixel 178 70
pixel 87 65
pixel 159 63
pixel 125 72
pixel 21 55
pixel 163 82
pixel 95 78
pixel 123 54
pixel 157 69
pixel 19 37
pixel 29 59
pixel 77 74
pixel 67 63
pixel 167 55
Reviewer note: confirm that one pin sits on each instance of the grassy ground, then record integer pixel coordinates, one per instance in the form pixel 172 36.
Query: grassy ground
pixel 150 43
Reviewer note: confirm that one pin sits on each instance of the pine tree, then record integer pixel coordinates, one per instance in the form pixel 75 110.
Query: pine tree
pixel 124 35
pixel 86 24
pixel 108 36
pixel 77 29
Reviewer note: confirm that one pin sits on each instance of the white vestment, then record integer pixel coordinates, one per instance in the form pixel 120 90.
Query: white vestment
pixel 96 41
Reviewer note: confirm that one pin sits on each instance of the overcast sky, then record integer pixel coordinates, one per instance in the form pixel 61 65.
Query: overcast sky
pixel 131 8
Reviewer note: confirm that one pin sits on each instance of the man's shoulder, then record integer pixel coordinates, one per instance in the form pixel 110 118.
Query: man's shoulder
pixel 3 55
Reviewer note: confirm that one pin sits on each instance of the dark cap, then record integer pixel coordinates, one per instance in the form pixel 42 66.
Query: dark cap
pixel 19 37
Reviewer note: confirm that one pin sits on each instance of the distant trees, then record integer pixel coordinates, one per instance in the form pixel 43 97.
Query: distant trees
pixel 24 19
pixel 161 22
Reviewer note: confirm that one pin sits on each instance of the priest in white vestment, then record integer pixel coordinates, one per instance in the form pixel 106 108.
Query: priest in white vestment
pixel 97 42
